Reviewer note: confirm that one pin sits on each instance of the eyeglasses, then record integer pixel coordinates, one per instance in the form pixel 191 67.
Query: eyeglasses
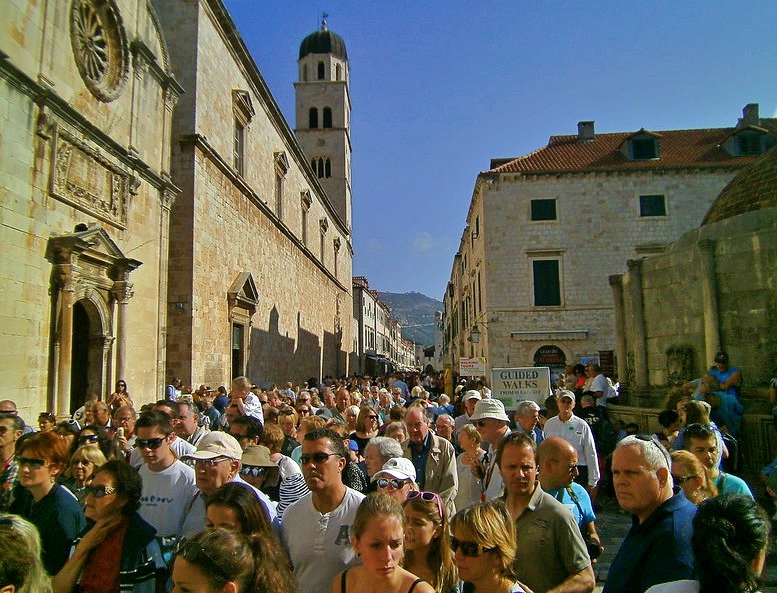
pixel 88 438
pixel 100 491
pixel 149 443
pixel 196 554
pixel 679 481
pixel 426 497
pixel 209 462
pixel 394 483
pixel 316 457
pixel 31 462
pixel 252 470
pixel 469 549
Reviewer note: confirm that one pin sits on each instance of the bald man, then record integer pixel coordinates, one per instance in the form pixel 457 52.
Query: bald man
pixel 557 461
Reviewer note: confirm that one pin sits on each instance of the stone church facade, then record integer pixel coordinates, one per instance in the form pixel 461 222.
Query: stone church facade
pixel 157 214
pixel 545 231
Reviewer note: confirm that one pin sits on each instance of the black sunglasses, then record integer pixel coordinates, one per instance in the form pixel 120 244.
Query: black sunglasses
pixel 252 470
pixel 196 554
pixel 100 491
pixel 304 459
pixel 88 438
pixel 30 462
pixel 469 549
pixel 149 443
pixel 679 481
pixel 395 484
pixel 372 417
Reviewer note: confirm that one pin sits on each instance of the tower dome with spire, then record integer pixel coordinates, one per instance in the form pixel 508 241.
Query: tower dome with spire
pixel 323 41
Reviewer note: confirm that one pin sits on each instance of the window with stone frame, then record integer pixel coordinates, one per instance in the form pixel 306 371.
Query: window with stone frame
pixel 243 112
pixel 321 71
pixel 652 205
pixel 306 202
pixel 327 119
pixel 313 118
pixel 336 251
pixel 323 226
pixel 281 169
pixel 546 282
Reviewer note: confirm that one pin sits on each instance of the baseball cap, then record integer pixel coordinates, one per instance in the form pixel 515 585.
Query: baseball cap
pixel 217 444
pixel 566 393
pixel 489 408
pixel 472 394
pixel 397 467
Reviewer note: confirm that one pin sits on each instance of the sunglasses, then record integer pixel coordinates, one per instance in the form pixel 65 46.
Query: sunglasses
pixel 372 417
pixel 679 481
pixel 30 462
pixel 469 549
pixel 252 470
pixel 316 457
pixel 394 483
pixel 196 554
pixel 427 497
pixel 100 491
pixel 149 443
pixel 88 438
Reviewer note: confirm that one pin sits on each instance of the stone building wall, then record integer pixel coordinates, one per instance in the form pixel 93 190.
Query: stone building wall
pixel 227 224
pixel 79 155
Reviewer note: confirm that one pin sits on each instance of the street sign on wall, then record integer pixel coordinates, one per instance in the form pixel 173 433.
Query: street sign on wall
pixel 513 385
pixel 472 367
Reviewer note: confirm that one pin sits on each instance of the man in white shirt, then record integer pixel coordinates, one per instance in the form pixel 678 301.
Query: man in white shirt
pixel 576 431
pixel 168 484
pixel 316 528
pixel 491 421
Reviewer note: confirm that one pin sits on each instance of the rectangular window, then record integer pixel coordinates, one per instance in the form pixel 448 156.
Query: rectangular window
pixel 238 149
pixel 238 348
pixel 644 149
pixel 652 205
pixel 749 144
pixel 543 209
pixel 278 194
pixel 547 283
pixel 304 226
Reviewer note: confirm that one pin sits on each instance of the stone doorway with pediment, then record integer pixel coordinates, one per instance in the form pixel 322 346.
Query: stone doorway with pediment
pixel 90 291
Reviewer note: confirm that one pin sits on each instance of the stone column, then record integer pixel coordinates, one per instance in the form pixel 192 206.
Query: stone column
pixel 122 292
pixel 616 284
pixel 638 312
pixel 63 276
pixel 709 298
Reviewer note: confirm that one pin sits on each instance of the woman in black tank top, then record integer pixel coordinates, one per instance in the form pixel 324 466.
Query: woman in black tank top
pixel 378 540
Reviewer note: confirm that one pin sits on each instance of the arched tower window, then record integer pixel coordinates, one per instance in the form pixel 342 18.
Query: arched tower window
pixel 313 118
pixel 327 168
pixel 327 117
pixel 339 72
pixel 321 71
pixel 305 73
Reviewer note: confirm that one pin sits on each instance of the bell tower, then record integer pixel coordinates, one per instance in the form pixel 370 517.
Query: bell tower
pixel 323 110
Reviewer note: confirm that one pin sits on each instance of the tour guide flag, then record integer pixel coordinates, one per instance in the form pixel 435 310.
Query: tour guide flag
pixel 513 385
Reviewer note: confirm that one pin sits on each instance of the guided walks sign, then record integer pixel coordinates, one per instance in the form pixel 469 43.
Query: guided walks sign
pixel 513 385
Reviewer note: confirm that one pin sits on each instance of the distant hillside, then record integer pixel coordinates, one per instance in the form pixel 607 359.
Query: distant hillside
pixel 415 312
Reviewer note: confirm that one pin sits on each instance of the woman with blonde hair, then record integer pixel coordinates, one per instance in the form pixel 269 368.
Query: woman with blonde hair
pixel 427 541
pixel 21 569
pixel 378 536
pixel 351 416
pixel 367 424
pixel 484 548
pixel 83 464
pixel 689 474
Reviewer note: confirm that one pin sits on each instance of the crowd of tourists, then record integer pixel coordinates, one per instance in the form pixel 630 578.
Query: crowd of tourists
pixel 372 484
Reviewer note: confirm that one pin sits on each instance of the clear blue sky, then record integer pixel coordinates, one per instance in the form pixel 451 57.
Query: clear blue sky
pixel 439 88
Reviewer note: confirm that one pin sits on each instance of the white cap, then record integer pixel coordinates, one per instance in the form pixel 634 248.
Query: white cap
pixel 397 467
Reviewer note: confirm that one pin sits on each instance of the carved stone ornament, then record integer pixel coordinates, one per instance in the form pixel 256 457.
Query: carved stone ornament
pixel 100 47
pixel 85 179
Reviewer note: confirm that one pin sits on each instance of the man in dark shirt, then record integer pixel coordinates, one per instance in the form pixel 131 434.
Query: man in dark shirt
pixel 657 549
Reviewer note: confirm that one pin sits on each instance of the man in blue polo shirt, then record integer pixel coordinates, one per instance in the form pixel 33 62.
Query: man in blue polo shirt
pixel 657 548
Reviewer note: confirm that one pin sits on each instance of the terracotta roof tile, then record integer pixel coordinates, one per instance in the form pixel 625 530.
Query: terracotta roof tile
pixel 677 148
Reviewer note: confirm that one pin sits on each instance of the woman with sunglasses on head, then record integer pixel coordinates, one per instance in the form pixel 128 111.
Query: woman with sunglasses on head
pixel 367 424
pixel 378 535
pixel 83 465
pixel 46 421
pixel 118 550
pixel 234 507
pixel 484 548
pixel 50 507
pixel 222 561
pixel 92 435
pixel 427 541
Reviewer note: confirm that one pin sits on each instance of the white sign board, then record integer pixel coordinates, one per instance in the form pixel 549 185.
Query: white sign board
pixel 513 385
pixel 472 367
